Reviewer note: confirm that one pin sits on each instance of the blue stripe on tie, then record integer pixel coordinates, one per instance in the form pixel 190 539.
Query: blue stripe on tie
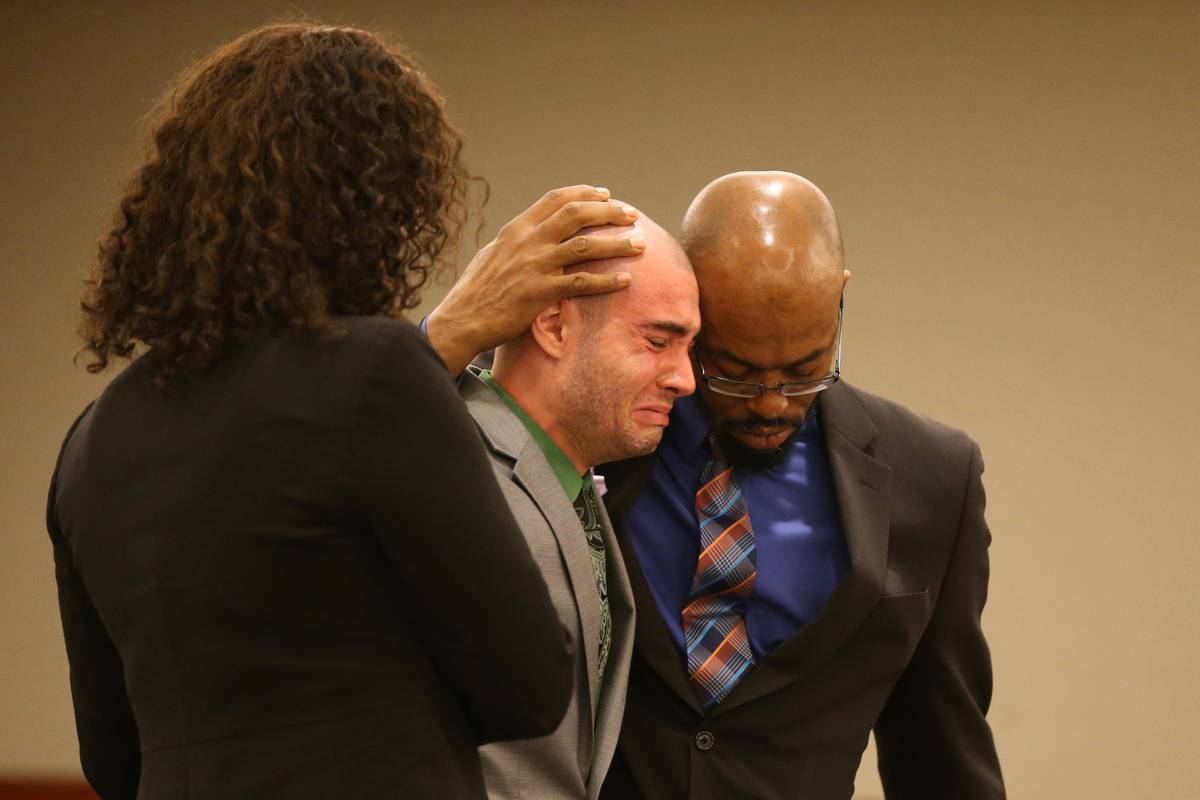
pixel 728 685
pixel 700 637
pixel 729 560
pixel 716 617
pixel 718 573
pixel 717 580
pixel 734 497
pixel 742 545
pixel 726 676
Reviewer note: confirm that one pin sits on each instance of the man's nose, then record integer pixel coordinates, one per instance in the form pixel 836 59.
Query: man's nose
pixel 679 376
pixel 769 405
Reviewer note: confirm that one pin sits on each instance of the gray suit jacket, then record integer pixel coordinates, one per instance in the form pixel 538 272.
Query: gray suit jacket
pixel 572 761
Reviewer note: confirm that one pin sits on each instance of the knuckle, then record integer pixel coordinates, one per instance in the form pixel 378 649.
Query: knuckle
pixel 552 195
pixel 513 229
pixel 578 282
pixel 573 209
pixel 581 245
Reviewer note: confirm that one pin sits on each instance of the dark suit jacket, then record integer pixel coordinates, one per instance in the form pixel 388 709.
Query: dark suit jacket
pixel 898 647
pixel 293 577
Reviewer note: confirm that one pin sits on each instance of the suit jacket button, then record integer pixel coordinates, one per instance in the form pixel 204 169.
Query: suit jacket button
pixel 705 740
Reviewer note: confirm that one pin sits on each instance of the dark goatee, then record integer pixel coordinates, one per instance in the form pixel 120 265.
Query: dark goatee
pixel 737 454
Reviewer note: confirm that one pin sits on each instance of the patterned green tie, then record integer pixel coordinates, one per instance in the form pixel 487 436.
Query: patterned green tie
pixel 587 506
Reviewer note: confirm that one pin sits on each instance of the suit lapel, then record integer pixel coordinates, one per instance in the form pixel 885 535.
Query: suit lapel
pixel 862 483
pixel 626 480
pixel 505 433
pixel 533 474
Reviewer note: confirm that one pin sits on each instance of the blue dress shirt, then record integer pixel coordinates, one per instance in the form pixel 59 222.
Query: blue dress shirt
pixel 800 546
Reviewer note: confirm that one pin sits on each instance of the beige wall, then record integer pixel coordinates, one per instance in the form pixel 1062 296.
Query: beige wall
pixel 1018 188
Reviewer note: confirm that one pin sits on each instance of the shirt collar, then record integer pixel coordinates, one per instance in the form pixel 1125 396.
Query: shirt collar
pixel 564 470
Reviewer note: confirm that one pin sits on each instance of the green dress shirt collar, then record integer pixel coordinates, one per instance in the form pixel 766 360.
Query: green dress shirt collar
pixel 572 482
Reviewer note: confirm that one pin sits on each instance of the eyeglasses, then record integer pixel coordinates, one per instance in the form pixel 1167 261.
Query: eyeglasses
pixel 746 389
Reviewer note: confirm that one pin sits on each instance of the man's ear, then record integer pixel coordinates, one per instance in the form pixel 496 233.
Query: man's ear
pixel 547 330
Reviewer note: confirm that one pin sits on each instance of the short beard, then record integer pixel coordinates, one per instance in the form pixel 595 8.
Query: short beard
pixel 587 402
pixel 579 404
pixel 737 454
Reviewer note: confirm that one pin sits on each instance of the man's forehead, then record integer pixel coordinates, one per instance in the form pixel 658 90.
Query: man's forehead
pixel 766 332
pixel 767 297
pixel 662 274
pixel 666 325
pixel 659 295
pixel 657 309
pixel 769 323
pixel 766 355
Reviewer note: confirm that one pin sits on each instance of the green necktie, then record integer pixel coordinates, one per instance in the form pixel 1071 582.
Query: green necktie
pixel 587 506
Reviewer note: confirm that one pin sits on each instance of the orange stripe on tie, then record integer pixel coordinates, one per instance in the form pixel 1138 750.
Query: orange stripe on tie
pixel 744 518
pixel 715 478
pixel 749 579
pixel 739 631
pixel 691 613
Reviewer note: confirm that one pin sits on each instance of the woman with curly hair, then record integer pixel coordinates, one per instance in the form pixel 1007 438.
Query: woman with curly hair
pixel 284 567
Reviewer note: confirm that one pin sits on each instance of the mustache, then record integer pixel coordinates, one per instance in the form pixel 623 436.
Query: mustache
pixel 760 423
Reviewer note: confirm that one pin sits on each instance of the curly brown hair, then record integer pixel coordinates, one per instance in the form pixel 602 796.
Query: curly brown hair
pixel 297 174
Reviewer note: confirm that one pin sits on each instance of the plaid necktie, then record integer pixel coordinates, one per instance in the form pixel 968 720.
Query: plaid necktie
pixel 714 621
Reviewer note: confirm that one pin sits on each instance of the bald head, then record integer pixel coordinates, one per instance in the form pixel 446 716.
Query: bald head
pixel 772 229
pixel 764 238
pixel 662 252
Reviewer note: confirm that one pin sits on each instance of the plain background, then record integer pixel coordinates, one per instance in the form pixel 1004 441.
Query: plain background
pixel 1018 190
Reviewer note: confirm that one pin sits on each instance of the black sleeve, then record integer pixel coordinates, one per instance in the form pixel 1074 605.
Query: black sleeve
pixel 476 595
pixel 108 738
pixel 933 738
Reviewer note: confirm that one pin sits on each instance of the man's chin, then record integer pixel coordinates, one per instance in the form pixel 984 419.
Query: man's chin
pixel 647 441
pixel 748 451
pixel 635 441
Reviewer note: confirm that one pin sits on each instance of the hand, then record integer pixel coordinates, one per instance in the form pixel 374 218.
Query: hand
pixel 520 272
